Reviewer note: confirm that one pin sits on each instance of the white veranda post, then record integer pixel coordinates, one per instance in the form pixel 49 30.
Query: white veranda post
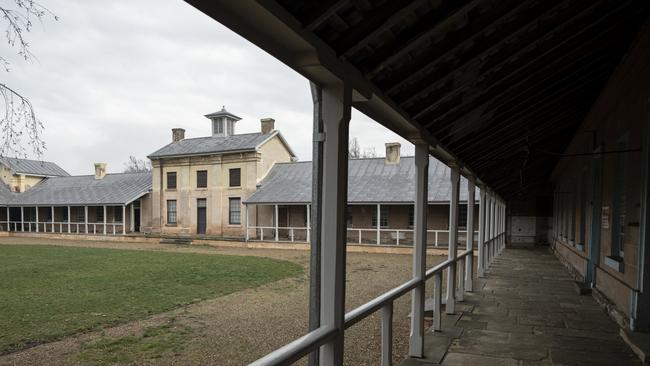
pixel 416 345
pixel 481 233
pixel 378 224
pixel 308 219
pixel 336 109
pixel 246 234
pixel 469 265
pixel 450 307
pixel 275 219
pixel 123 219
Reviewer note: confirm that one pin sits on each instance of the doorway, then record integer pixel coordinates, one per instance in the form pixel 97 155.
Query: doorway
pixel 201 218
pixel 283 217
pixel 136 216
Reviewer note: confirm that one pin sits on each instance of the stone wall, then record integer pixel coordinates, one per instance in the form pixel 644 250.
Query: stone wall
pixel 615 125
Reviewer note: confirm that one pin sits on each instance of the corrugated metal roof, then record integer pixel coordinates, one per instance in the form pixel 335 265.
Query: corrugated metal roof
pixel 213 144
pixel 369 181
pixel 113 189
pixel 34 167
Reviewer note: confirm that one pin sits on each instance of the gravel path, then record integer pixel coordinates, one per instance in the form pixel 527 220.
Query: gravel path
pixel 241 327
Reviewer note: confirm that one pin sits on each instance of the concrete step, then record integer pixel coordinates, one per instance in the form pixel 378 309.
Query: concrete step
pixel 177 241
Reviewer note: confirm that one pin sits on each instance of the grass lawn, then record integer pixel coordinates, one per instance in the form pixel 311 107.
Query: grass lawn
pixel 47 292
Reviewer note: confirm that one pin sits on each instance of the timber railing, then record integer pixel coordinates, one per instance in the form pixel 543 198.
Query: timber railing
pixel 361 236
pixel 65 227
pixel 311 341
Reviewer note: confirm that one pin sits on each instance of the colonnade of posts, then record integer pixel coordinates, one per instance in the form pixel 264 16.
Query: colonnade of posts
pixel 68 224
pixel 328 339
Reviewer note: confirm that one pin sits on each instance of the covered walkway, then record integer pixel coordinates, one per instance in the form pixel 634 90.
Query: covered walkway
pixel 527 311
pixel 526 100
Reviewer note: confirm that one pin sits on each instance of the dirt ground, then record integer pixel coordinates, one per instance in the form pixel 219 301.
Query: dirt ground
pixel 239 328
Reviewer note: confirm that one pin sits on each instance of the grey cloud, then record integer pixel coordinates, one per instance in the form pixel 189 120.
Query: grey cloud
pixel 113 77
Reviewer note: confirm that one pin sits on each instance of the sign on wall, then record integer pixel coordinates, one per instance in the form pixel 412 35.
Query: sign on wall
pixel 604 218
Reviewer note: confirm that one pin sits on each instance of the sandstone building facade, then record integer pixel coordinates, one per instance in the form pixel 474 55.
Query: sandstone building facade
pixel 200 184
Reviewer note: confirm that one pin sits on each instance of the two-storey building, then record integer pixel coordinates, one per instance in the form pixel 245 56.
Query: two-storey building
pixel 199 184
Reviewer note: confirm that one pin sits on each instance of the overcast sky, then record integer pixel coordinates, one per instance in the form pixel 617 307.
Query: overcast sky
pixel 113 77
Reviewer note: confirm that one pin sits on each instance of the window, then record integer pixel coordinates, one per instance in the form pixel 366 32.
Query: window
pixel 65 214
pixel 619 201
pixel 171 212
pixel 218 127
pixel 383 219
pixel 99 214
pixel 117 214
pixel 462 216
pixel 201 178
pixel 171 180
pixel 411 217
pixel 235 177
pixel 234 211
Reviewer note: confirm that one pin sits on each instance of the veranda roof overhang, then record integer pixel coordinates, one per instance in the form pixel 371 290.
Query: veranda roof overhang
pixel 497 87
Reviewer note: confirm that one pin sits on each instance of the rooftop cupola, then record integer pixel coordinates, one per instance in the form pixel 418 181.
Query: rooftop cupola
pixel 223 122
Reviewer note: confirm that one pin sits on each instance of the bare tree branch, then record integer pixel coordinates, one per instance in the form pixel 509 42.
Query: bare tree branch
pixel 135 165
pixel 19 121
pixel 356 152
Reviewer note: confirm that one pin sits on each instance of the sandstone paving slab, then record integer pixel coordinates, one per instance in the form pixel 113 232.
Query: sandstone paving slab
pixel 528 313
pixel 470 324
pixel 501 319
pixel 575 333
pixel 541 319
pixel 487 347
pixel 592 358
pixel 463 359
pixel 595 326
pixel 510 328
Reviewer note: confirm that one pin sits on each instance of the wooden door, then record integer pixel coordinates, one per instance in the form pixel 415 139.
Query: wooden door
pixel 201 217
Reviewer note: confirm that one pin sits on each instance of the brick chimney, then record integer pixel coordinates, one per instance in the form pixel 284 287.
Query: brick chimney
pixel 268 125
pixel 178 134
pixel 100 171
pixel 392 152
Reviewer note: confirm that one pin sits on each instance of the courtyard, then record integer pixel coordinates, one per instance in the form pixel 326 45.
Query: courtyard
pixel 238 300
pixel 134 303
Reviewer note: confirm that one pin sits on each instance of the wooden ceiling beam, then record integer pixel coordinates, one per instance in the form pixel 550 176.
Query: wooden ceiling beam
pixel 520 69
pixel 324 15
pixel 507 150
pixel 415 41
pixel 545 113
pixel 352 44
pixel 402 79
pixel 539 99
pixel 542 37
